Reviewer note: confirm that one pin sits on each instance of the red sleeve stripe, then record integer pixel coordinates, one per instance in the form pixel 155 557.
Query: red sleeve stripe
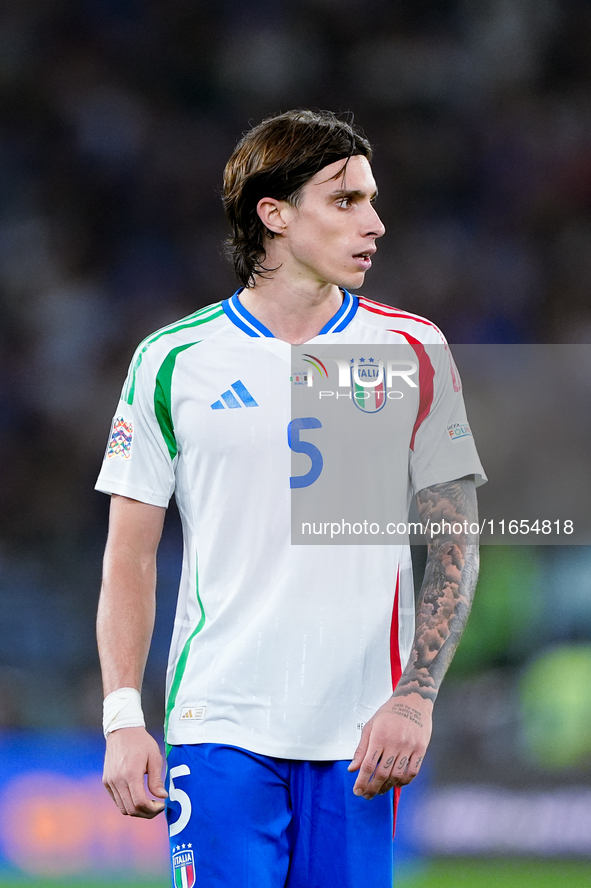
pixel 378 308
pixel 426 371
pixel 394 313
pixel 396 670
pixel 395 665
pixel 426 377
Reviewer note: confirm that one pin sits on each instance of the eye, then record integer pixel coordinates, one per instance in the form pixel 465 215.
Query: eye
pixel 344 203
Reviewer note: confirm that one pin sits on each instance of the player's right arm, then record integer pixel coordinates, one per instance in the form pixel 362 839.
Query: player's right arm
pixel 125 623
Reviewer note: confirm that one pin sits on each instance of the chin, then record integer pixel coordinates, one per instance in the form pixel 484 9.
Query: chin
pixel 353 283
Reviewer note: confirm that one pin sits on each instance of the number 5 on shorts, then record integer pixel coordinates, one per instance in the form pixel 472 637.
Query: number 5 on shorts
pixel 180 796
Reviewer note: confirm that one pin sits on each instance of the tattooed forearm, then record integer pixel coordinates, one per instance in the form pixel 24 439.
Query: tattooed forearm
pixel 448 586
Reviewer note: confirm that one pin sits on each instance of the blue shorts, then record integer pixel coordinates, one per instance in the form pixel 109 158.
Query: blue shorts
pixel 241 819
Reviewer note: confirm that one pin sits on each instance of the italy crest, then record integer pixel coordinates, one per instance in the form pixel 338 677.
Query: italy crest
pixel 368 384
pixel 183 868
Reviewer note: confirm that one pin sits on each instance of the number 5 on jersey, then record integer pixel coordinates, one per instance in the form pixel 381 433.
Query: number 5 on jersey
pixel 298 446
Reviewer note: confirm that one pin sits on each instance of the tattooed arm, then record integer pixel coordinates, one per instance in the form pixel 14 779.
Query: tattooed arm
pixel 394 741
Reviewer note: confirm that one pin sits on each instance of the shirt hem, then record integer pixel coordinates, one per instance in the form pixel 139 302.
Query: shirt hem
pixel 143 496
pixel 329 753
pixel 451 474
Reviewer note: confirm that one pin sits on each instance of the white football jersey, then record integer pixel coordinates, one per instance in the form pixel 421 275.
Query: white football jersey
pixel 285 650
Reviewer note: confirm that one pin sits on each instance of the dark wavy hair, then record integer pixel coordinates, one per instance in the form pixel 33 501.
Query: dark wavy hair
pixel 276 159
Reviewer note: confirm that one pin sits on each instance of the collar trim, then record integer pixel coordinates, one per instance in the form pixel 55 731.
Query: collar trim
pixel 247 322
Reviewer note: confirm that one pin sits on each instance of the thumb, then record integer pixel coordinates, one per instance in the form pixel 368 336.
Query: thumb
pixel 154 772
pixel 360 751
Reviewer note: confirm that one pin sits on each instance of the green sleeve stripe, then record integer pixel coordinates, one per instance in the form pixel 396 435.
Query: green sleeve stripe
pixel 163 397
pixel 195 320
pixel 182 662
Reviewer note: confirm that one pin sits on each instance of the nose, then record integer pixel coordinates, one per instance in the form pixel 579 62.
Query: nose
pixel 373 224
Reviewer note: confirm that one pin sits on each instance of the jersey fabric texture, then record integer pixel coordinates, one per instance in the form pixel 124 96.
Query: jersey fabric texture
pixel 282 650
pixel 285 822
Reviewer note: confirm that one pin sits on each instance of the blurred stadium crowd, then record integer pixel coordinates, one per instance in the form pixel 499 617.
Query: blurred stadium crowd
pixel 117 118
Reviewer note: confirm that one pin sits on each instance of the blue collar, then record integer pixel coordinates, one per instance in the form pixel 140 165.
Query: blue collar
pixel 249 324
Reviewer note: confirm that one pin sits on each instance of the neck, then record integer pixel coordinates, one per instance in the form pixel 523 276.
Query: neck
pixel 294 312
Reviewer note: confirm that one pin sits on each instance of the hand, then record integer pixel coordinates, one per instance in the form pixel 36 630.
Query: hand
pixel 132 753
pixel 393 745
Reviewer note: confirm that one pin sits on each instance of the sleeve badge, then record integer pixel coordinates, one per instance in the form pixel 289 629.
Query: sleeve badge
pixel 120 440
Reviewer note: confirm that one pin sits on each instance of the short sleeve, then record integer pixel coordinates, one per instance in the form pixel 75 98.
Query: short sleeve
pixel 137 462
pixel 442 447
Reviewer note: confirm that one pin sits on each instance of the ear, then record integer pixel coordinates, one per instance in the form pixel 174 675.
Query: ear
pixel 273 213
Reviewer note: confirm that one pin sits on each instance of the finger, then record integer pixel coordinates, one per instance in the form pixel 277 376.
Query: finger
pixel 367 770
pixel 109 790
pixel 415 765
pixel 380 778
pixel 383 778
pixel 413 769
pixel 391 770
pixel 150 809
pixel 123 797
pixel 126 795
pixel 360 752
pixel 130 797
pixel 143 805
pixel 402 777
pixel 116 797
pixel 155 784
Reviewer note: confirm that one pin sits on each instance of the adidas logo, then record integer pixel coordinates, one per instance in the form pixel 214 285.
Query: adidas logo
pixel 236 396
pixel 193 713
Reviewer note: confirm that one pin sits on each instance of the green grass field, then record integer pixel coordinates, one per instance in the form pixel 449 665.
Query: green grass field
pixel 437 874
pixel 500 874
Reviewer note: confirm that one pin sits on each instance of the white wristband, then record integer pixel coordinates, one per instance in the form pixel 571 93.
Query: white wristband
pixel 122 709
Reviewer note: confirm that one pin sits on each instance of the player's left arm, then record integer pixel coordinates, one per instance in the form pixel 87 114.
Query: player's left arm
pixel 395 739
